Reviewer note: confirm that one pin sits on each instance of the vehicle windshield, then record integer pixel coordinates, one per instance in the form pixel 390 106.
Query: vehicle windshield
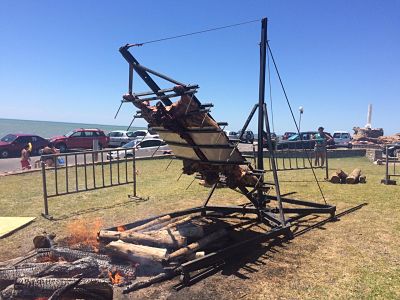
pixel 69 133
pixel 294 137
pixel 9 138
pixel 131 144
pixel 336 135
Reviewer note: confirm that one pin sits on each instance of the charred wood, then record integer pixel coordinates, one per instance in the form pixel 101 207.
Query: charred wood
pixel 44 287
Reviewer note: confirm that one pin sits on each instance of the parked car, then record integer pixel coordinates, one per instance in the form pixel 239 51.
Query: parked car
pixel 303 141
pixel 342 139
pixel 287 135
pixel 392 150
pixel 80 139
pixel 120 137
pixel 12 144
pixel 232 135
pixel 274 140
pixel 145 134
pixel 248 136
pixel 149 144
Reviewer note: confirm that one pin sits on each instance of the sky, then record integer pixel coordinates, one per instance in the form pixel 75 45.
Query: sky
pixel 59 60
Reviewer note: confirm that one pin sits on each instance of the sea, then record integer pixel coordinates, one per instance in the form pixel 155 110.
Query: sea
pixel 47 129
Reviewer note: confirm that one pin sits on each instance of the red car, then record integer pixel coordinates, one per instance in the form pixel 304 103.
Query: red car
pixel 12 144
pixel 80 138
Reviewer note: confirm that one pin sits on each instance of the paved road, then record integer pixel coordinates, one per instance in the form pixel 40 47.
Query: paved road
pixel 14 164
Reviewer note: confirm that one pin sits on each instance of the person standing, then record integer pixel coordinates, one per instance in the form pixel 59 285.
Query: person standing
pixel 321 140
pixel 25 157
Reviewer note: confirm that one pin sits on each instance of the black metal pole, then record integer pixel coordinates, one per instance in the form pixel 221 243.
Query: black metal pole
pixel 274 168
pixel 326 165
pixel 46 206
pixel 134 172
pixel 130 88
pixel 261 95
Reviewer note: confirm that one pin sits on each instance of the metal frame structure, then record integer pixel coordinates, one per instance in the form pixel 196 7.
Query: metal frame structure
pixel 390 174
pixel 277 217
pixel 88 166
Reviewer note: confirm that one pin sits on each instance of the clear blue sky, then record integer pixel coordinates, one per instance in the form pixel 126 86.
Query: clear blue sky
pixel 59 60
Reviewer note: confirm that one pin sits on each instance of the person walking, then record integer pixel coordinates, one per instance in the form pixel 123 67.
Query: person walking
pixel 25 157
pixel 321 140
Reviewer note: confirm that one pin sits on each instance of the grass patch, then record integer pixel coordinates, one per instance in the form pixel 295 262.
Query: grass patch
pixel 355 258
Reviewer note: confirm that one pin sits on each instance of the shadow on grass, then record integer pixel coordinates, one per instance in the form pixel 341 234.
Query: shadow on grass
pixel 243 265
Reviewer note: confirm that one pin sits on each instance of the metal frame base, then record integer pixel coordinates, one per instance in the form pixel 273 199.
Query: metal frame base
pixel 47 216
pixel 388 181
pixel 265 215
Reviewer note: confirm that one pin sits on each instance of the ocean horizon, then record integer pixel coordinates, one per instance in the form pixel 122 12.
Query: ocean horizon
pixel 48 129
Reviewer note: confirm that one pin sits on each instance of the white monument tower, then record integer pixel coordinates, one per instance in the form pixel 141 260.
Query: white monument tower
pixel 369 115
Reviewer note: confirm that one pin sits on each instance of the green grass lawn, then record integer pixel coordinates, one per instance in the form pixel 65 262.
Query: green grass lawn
pixel 356 257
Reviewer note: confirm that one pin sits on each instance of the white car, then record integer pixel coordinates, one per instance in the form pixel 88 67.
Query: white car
pixel 342 139
pixel 120 137
pixel 145 134
pixel 147 147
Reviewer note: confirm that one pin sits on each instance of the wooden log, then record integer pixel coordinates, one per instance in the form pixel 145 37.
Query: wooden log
pixel 9 274
pixel 362 179
pixel 109 235
pixel 57 295
pixel 68 254
pixel 160 239
pixel 338 176
pixel 137 253
pixel 44 287
pixel 353 177
pixel 155 227
pixel 190 231
pixel 196 255
pixel 197 245
pixel 177 223
pixel 7 293
pixel 151 223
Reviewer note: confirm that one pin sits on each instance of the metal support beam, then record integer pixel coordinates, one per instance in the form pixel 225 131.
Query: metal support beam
pixel 261 96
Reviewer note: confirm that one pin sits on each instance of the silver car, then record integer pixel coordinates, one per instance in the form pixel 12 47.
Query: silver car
pixel 120 137
pixel 147 147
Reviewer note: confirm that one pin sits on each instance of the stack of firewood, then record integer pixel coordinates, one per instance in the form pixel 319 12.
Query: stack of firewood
pixel 158 247
pixel 339 176
pixel 59 273
pixel 131 258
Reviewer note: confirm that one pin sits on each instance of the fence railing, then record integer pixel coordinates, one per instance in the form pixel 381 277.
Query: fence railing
pixel 391 165
pixel 69 173
pixel 294 157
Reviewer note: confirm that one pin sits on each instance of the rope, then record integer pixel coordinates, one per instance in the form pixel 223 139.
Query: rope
pixel 294 120
pixel 192 33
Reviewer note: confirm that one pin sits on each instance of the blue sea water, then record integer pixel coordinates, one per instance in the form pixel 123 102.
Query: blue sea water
pixel 48 129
